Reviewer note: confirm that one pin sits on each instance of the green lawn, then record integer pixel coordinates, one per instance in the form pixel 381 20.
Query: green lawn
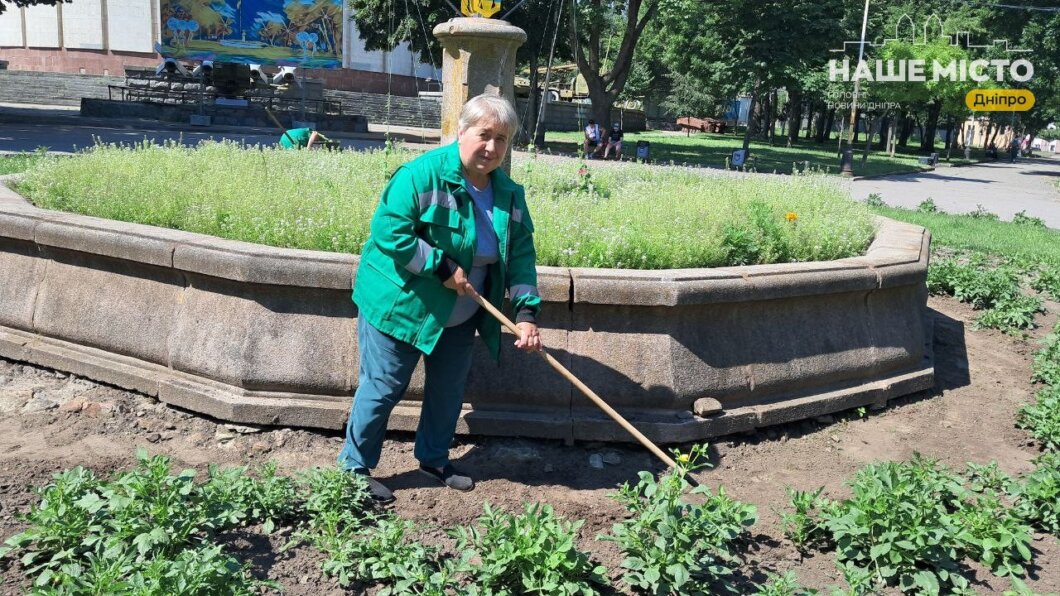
pixel 711 150
pixel 984 234
pixel 18 162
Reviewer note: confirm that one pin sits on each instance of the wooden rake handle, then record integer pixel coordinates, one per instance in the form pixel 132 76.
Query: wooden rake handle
pixel 585 389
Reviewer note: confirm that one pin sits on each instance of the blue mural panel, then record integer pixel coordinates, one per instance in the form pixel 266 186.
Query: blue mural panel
pixel 281 32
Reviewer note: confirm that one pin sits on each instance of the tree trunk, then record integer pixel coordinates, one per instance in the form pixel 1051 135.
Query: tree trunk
pixel 794 116
pixel 771 117
pixel 907 129
pixel 811 112
pixel 927 137
pixel 829 124
pixel 885 129
pixel 868 139
pixel 986 135
pixel 822 119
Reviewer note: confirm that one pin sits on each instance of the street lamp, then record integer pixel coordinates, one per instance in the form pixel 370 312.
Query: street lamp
pixel 846 167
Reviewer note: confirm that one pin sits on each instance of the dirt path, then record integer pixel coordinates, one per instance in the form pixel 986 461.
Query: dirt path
pixel 983 377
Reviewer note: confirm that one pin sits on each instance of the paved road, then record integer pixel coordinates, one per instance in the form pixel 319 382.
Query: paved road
pixel 1000 187
pixel 67 139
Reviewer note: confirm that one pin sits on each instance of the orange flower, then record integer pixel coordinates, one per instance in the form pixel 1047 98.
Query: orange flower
pixel 791 216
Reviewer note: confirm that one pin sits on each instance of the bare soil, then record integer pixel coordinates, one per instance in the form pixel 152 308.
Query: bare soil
pixel 982 377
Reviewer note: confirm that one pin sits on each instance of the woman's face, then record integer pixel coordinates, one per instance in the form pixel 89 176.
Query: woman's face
pixel 482 147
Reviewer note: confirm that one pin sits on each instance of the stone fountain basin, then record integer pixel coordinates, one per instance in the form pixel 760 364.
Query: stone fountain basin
pixel 260 335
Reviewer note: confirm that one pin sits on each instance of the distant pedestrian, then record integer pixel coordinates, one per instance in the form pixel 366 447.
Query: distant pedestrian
pixel 1013 149
pixel 592 139
pixel 614 141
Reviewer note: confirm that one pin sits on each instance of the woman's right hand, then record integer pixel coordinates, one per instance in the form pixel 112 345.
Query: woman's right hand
pixel 460 284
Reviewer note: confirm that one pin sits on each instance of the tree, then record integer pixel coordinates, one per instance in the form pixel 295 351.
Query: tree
pixel 687 98
pixel 383 24
pixel 22 3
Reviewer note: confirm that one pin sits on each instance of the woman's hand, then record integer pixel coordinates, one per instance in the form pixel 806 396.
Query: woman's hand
pixel 529 337
pixel 460 284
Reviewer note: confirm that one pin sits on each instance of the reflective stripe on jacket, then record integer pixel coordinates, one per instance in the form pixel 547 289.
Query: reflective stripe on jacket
pixel 426 214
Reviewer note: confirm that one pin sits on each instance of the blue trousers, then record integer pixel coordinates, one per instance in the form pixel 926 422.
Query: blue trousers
pixel 385 371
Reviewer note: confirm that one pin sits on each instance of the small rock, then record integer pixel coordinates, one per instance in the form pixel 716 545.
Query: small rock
pixel 29 370
pixel 947 424
pixel 223 434
pixel 706 406
pixel 59 374
pixel 835 438
pixel 4 381
pixel 72 406
pixel 197 438
pixel 92 409
pixel 611 458
pixel 39 404
pixel 141 413
pixel 171 426
pixel 596 461
pixel 153 438
pixel 260 447
pixel 826 419
pixel 243 430
pixel 517 454
pixel 685 415
pixel 304 579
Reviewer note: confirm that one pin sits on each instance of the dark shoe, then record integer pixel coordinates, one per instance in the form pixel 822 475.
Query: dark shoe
pixel 379 493
pixel 450 477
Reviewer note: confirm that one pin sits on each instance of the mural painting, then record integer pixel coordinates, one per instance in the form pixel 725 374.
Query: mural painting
pixel 282 32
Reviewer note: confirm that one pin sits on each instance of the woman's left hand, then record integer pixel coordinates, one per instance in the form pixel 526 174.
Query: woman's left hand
pixel 529 337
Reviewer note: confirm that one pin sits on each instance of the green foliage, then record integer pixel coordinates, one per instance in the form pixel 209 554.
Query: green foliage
pixel 875 200
pixel 1048 281
pixel 804 526
pixel 20 162
pixel 235 498
pixel 672 545
pixel 1022 219
pixel 1042 418
pixel 981 213
pixel 336 502
pixel 144 531
pixel 783 585
pixel 911 524
pixel 531 553
pixel 927 206
pixel 635 216
pixel 987 236
pixel 385 551
pixel 1011 313
pixel 976 284
pixel 1039 495
pixel 1046 367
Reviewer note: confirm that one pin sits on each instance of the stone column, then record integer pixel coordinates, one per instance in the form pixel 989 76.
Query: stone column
pixel 478 57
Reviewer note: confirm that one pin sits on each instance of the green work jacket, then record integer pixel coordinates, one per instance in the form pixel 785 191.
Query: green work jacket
pixel 425 223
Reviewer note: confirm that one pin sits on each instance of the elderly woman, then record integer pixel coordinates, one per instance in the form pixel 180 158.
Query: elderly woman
pixel 450 225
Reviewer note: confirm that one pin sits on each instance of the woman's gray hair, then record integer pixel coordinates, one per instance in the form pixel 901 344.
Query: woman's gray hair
pixel 489 107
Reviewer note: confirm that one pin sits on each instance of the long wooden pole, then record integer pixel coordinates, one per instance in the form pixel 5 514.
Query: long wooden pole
pixel 659 453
